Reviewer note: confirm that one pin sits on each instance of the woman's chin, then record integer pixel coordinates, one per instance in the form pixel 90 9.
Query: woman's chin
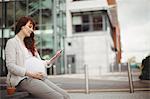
pixel 28 35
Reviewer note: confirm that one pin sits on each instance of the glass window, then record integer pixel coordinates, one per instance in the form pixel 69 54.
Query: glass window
pixel 86 27
pixel 97 22
pixel 77 20
pixel 88 21
pixel 78 28
pixel 85 18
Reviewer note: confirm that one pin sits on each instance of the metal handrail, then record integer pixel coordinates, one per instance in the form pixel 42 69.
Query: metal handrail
pixel 130 78
pixel 86 79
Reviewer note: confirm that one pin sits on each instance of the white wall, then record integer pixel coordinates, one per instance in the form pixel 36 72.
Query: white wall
pixel 92 49
pixel 95 54
pixel 76 49
pixel 78 6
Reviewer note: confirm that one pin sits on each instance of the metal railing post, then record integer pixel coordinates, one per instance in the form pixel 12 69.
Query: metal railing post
pixel 130 78
pixel 86 79
pixel 54 69
pixel 119 66
pixel 69 68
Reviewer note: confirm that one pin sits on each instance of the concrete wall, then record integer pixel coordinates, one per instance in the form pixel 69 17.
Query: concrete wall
pixel 92 49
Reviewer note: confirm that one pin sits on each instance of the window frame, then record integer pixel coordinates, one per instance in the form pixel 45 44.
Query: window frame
pixel 88 25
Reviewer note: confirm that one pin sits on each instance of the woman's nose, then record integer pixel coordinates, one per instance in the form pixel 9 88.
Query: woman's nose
pixel 31 29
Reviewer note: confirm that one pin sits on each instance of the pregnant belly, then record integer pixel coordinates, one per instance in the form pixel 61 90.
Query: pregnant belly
pixel 35 65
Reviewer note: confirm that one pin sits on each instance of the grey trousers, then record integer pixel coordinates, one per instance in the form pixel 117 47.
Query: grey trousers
pixel 43 89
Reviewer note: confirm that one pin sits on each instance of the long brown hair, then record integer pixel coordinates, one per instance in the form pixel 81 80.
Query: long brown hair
pixel 28 41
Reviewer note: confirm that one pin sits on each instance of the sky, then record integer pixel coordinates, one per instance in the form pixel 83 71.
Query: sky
pixel 134 20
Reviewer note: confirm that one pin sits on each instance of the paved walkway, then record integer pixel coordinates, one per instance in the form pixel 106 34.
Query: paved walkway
pixel 113 81
pixel 112 95
pixel 77 82
pixel 102 95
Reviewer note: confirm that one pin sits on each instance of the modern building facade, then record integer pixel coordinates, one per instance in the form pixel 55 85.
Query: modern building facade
pixel 91 36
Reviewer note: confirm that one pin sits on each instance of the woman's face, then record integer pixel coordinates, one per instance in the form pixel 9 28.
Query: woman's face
pixel 28 29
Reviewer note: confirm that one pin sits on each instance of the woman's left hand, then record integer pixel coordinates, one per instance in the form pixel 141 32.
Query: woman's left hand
pixel 58 53
pixel 53 59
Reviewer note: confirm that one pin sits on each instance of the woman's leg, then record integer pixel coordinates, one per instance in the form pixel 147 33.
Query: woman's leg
pixel 58 89
pixel 39 89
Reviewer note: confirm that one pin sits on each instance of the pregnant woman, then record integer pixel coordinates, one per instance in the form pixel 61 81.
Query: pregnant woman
pixel 21 56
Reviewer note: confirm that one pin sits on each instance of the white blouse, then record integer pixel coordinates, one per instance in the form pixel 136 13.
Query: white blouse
pixel 33 63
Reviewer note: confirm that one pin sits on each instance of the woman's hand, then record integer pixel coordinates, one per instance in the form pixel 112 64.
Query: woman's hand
pixel 36 75
pixel 58 53
pixel 53 59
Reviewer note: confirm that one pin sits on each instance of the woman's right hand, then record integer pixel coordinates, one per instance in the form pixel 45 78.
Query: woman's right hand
pixel 36 75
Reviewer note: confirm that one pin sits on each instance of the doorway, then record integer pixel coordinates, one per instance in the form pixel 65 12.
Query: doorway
pixel 71 61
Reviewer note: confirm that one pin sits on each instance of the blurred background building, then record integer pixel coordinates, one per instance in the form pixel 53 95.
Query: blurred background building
pixel 87 30
pixel 92 36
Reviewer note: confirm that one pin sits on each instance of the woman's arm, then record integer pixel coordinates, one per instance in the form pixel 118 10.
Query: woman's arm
pixel 54 58
pixel 11 58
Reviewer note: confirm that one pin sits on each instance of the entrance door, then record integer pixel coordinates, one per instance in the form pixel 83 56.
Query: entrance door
pixel 71 64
